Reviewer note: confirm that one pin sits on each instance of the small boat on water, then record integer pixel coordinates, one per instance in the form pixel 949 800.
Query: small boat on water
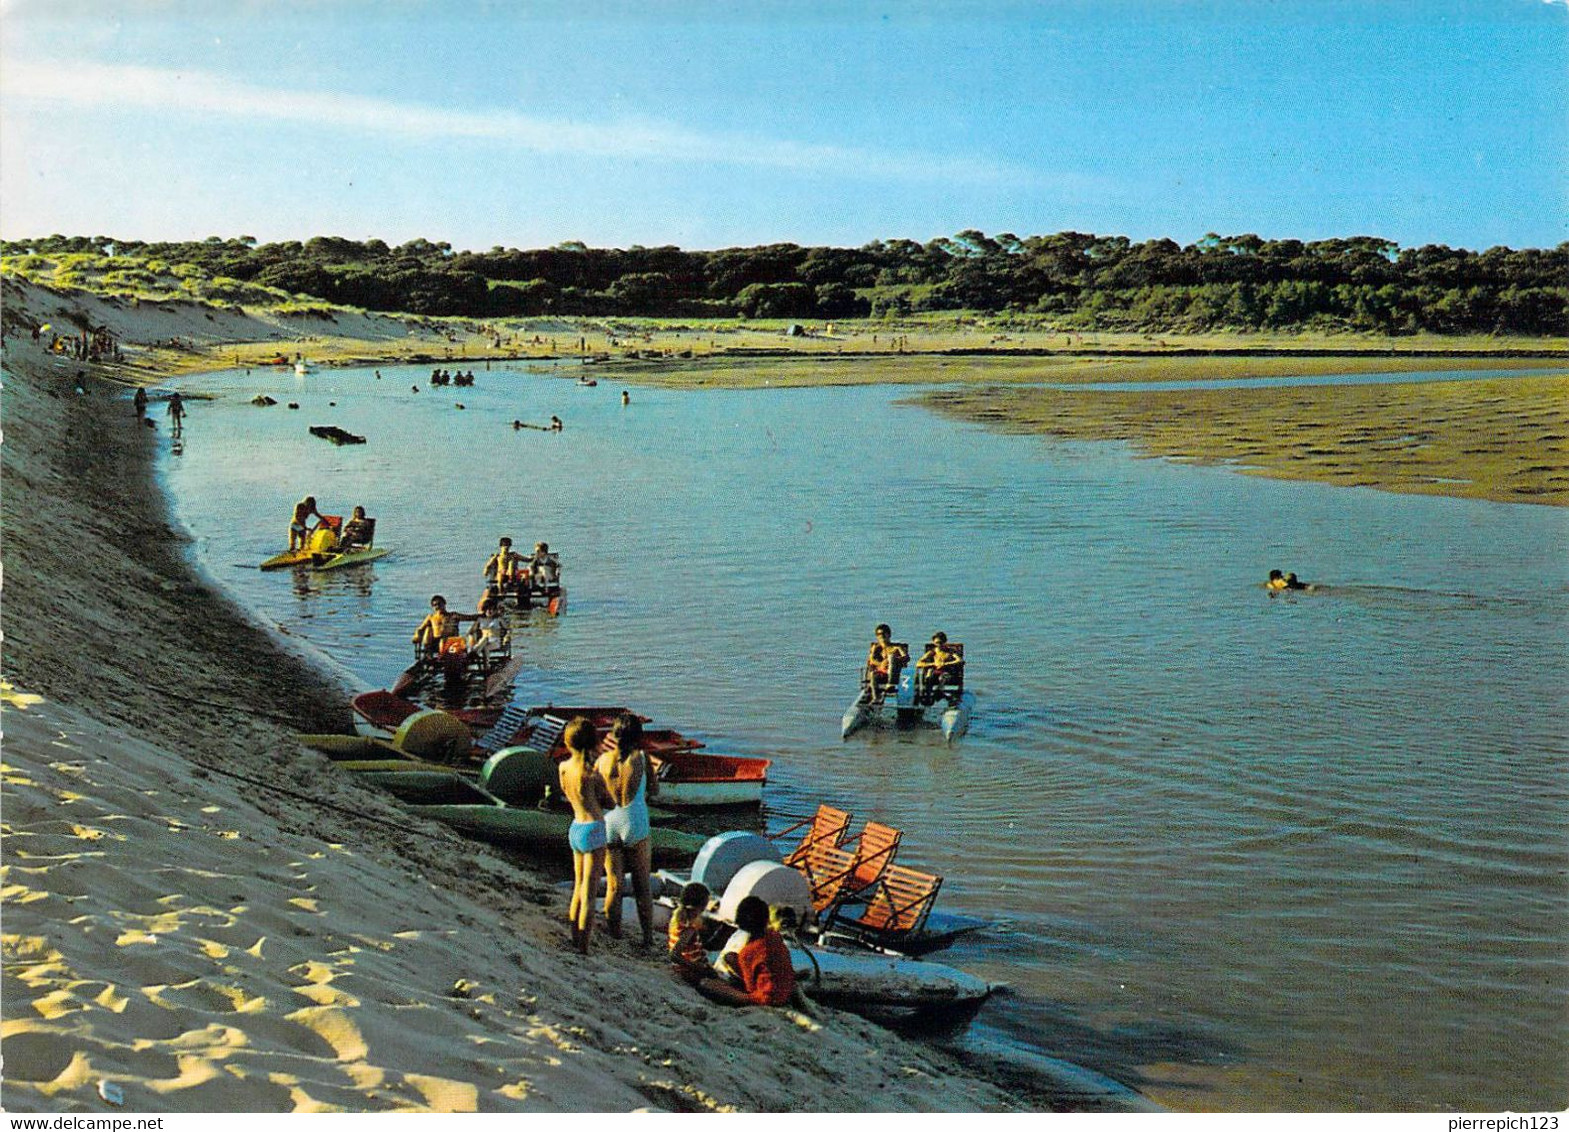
pixel 300 368
pixel 322 550
pixel 907 704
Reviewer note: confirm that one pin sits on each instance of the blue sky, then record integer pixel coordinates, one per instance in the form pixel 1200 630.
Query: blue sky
pixel 722 124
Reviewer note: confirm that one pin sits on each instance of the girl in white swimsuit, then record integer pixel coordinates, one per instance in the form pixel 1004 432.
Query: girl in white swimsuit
pixel 624 767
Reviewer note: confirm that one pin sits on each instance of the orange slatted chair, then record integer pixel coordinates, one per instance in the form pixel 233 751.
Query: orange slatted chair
pixel 827 869
pixel 897 906
pixel 875 847
pixel 826 827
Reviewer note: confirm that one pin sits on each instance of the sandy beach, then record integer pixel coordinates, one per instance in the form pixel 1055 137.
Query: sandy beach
pixel 200 915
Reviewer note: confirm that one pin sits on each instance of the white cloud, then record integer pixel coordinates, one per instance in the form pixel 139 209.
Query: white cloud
pixel 201 94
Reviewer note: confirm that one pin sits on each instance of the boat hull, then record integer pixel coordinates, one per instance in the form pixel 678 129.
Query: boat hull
pixel 956 717
pixel 858 980
pixel 353 558
pixel 688 779
pixel 537 831
pixel 288 558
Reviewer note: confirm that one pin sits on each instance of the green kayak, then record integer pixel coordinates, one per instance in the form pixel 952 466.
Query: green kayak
pixel 535 831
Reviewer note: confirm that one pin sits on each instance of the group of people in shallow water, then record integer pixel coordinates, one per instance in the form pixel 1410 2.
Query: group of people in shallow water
pixel 488 635
pixel 443 377
pixel 938 669
pixel 611 835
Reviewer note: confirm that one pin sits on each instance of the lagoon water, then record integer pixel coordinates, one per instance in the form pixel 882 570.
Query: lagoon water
pixel 1306 853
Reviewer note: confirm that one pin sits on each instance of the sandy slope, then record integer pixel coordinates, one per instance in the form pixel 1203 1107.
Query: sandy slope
pixel 204 914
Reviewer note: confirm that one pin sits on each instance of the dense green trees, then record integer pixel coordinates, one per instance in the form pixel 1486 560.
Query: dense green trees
pixel 1078 279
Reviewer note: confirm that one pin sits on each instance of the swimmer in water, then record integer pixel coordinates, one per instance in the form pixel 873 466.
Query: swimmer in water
pixel 1282 583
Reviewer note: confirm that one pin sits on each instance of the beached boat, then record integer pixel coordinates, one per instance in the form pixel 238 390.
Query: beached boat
pixel 545 831
pixel 690 779
pixel 381 713
pixel 879 983
pixel 687 777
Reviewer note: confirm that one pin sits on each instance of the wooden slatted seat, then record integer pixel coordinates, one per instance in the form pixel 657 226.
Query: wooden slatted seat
pixel 897 906
pixel 875 847
pixel 826 827
pixel 827 869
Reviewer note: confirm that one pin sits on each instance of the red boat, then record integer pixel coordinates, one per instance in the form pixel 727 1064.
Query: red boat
pixel 686 776
pixel 379 714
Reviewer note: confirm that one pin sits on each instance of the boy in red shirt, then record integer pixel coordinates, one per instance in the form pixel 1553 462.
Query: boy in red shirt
pixel 763 964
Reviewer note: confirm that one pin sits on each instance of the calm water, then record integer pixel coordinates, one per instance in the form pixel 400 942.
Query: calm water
pixel 1304 853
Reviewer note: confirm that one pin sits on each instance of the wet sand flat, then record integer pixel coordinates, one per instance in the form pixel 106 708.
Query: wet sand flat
pixel 1498 439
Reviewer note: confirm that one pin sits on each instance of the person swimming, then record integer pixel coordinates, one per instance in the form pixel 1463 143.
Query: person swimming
pixel 1281 582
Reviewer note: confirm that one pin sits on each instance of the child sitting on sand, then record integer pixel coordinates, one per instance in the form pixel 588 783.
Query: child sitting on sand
pixel 763 966
pixel 687 953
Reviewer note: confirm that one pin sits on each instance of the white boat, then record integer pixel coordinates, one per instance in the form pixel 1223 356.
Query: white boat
pixel 904 708
pixel 881 983
pixel 300 368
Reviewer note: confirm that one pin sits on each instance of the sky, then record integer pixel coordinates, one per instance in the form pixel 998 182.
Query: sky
pixel 720 124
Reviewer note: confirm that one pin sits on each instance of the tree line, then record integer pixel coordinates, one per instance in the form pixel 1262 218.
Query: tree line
pixel 1074 279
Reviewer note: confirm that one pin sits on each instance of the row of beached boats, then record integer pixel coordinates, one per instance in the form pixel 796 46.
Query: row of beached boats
pixel 867 919
pixel 488 768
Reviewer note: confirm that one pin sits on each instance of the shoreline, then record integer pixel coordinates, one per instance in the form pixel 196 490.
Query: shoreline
pixel 199 909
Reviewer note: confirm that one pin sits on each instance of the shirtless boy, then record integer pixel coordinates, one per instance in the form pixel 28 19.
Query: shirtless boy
pixel 299 533
pixel 439 624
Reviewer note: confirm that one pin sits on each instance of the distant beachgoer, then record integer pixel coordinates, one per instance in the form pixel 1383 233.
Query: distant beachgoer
pixel 762 967
pixel 624 767
pixel 139 400
pixel 544 568
pixel 626 398
pixel 177 413
pixel 687 953
pixel 299 533
pixel 1282 583
pixel 585 791
pixel 555 423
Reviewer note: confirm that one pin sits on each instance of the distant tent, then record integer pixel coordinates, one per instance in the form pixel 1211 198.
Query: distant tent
pixel 796 330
